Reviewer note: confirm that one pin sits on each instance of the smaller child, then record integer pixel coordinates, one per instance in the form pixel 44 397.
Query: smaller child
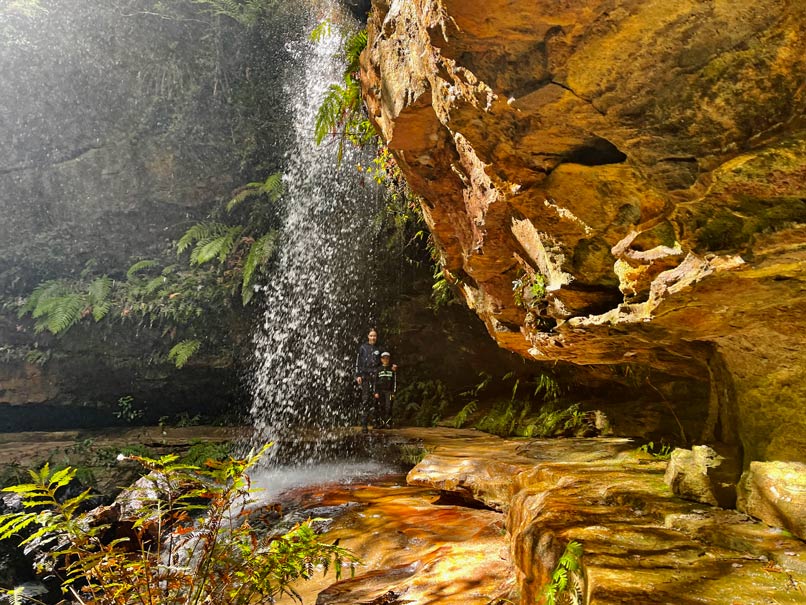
pixel 384 388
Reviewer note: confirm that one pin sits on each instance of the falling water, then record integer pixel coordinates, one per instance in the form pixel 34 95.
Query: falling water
pixel 318 300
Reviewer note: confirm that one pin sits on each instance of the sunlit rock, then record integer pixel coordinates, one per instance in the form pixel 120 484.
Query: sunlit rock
pixel 704 475
pixel 775 492
pixel 642 165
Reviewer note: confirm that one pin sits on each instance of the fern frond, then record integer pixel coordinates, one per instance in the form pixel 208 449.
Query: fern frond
pixel 259 253
pixel 330 113
pixel 98 297
pixel 217 247
pixel 44 291
pixel 461 418
pixel 181 352
pixel 198 232
pixel 58 314
pixel 321 31
pixel 353 47
pixel 154 285
pixel 249 191
pixel 140 266
pixel 272 188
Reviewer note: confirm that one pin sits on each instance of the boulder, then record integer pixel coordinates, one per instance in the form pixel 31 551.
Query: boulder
pixel 775 492
pixel 703 475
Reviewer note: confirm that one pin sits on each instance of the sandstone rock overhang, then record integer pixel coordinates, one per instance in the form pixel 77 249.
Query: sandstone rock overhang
pixel 616 182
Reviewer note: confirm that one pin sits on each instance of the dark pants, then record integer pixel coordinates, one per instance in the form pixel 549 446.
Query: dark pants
pixel 385 405
pixel 367 401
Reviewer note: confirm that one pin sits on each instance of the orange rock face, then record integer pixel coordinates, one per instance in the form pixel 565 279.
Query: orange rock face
pixel 616 181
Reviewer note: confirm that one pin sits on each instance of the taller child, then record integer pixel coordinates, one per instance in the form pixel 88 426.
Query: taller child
pixel 366 366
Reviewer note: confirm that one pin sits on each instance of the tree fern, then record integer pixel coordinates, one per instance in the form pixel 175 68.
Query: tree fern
pixel 183 351
pixel 259 253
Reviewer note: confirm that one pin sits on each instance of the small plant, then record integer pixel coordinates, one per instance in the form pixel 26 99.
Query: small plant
pixel 191 542
pixel 412 455
pixel 552 422
pixel 660 451
pixel 464 414
pixel 425 402
pixel 567 583
pixel 126 410
pixel 341 113
pixel 529 290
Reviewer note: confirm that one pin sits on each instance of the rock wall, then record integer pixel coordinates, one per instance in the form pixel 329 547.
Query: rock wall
pixel 616 182
pixel 120 127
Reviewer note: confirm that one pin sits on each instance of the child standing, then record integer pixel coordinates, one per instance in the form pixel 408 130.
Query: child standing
pixel 384 387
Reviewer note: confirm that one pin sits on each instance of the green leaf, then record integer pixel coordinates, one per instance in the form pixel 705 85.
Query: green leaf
pixel 140 266
pixel 259 253
pixel 217 247
pixel 321 31
pixel 183 351
pixel 198 232
pixel 98 294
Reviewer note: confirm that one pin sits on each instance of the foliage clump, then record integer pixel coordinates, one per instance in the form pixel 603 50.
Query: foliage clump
pixel 567 581
pixel 534 408
pixel 190 541
pixel 226 256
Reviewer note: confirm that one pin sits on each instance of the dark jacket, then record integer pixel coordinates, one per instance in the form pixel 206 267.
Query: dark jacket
pixel 368 360
pixel 385 380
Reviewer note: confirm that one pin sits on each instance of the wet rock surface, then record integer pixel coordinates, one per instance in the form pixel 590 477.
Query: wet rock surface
pixel 482 519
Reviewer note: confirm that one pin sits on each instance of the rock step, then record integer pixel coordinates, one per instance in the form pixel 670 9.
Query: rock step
pixel 641 543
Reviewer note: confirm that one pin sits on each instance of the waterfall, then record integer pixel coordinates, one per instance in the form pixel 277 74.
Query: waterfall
pixel 319 298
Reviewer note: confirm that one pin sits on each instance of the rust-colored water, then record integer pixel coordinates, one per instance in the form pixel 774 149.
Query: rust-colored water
pixel 413 549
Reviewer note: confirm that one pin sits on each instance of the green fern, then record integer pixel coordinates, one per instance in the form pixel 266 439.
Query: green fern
pixel 341 112
pixel 58 314
pixel 44 291
pixel 218 247
pixel 354 45
pixel 461 418
pixel 321 31
pixel 183 351
pixel 154 284
pixel 98 297
pixel 567 581
pixel 259 254
pixel 199 232
pixel 272 188
pixel 140 266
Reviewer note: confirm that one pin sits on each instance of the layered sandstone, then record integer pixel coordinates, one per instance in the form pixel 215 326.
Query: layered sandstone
pixel 616 182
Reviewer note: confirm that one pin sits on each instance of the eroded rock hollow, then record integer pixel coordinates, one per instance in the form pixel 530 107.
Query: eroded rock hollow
pixel 616 182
